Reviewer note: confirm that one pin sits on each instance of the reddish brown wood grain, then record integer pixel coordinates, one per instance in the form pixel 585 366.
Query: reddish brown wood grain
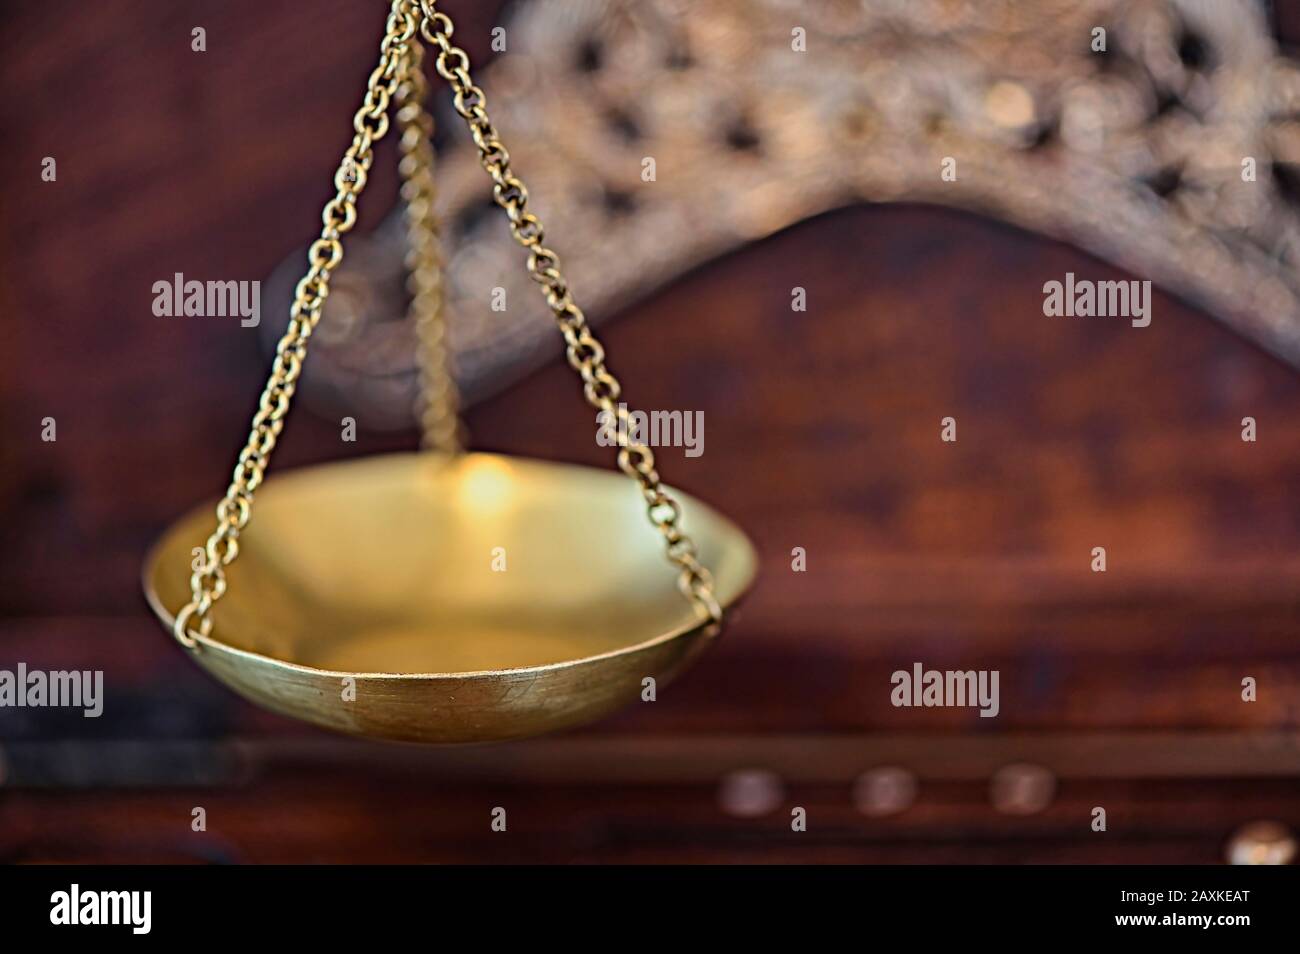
pixel 822 431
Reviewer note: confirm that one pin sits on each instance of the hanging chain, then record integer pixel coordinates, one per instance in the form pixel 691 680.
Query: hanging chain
pixel 438 403
pixel 584 351
pixel 370 124
pixel 399 77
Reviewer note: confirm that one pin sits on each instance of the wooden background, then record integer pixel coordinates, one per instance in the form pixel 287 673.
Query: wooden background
pixel 822 431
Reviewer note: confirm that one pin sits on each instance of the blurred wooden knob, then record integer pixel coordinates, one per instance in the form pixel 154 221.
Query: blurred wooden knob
pixel 750 793
pixel 1262 843
pixel 1022 789
pixel 884 791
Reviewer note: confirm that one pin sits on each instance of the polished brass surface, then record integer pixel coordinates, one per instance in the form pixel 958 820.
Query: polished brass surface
pixel 382 570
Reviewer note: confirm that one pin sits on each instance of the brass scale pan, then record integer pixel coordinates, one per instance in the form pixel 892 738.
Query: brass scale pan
pixel 442 596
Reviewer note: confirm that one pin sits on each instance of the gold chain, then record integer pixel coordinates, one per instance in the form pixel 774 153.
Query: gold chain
pixel 400 60
pixel 370 124
pixel 438 405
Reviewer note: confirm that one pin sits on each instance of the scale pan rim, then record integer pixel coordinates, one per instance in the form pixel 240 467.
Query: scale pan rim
pixel 247 670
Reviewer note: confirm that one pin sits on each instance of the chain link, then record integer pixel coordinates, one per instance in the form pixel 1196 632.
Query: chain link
pixel 438 403
pixel 399 79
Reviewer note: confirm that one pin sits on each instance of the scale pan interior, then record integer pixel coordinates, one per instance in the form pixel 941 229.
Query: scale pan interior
pixel 389 570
